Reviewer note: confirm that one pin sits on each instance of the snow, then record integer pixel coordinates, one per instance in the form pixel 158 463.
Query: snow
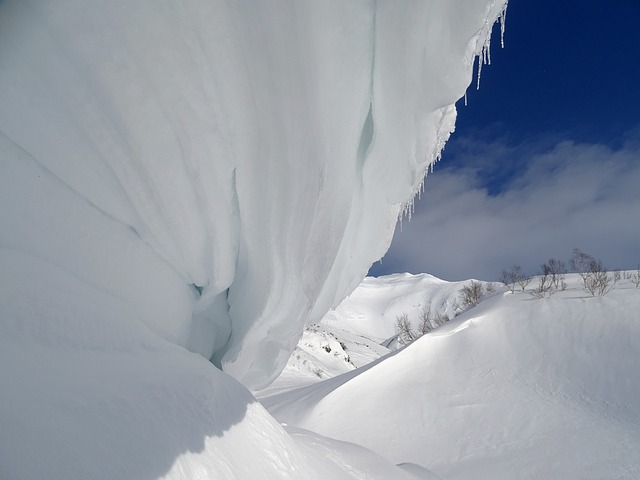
pixel 362 328
pixel 186 185
pixel 233 146
pixel 516 387
pixel 375 304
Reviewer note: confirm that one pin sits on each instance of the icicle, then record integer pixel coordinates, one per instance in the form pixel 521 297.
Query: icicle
pixel 421 187
pixel 479 69
pixel 503 22
pixel 484 57
pixel 465 98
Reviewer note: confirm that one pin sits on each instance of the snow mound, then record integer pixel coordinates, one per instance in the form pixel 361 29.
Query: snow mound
pixel 516 387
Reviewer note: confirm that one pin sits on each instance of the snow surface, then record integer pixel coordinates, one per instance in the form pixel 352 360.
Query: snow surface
pixel 362 328
pixel 514 388
pixel 194 181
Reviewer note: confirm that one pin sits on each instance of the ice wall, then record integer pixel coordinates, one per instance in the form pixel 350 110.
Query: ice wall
pixel 224 171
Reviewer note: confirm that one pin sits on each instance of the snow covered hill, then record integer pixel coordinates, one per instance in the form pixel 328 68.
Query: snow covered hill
pixel 362 328
pixel 514 388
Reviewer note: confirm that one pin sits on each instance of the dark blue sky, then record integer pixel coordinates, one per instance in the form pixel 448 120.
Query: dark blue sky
pixel 569 67
pixel 565 87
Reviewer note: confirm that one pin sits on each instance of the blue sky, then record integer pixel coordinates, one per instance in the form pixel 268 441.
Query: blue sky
pixel 545 157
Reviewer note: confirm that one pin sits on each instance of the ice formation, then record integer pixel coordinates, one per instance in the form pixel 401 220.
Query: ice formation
pixel 209 175
pixel 228 170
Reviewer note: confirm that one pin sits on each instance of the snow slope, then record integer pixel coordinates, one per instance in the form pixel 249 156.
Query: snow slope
pixel 514 388
pixel 96 395
pixel 191 182
pixel 362 328
pixel 372 308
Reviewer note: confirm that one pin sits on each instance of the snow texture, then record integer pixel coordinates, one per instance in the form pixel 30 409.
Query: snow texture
pixel 216 165
pixel 194 181
pixel 513 388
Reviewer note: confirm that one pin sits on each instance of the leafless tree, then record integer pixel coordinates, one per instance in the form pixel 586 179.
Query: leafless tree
pixel 523 281
pixel 544 286
pixel 556 270
pixel 515 275
pixel 580 263
pixel 508 277
pixel 426 320
pixel 404 330
pixel 441 318
pixel 598 281
pixel 470 294
pixel 617 276
pixel 635 277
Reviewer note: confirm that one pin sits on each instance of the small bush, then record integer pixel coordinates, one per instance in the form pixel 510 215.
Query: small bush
pixel 544 286
pixel 598 281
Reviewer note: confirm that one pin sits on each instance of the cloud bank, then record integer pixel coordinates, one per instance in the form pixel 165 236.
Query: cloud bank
pixel 502 205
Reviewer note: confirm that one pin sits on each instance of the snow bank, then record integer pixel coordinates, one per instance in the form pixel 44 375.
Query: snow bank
pixel 515 387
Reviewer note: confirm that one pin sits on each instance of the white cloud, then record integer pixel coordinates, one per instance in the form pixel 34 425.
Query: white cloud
pixel 570 195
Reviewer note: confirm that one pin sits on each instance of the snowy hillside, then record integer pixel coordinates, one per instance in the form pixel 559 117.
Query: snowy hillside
pixel 514 388
pixel 362 328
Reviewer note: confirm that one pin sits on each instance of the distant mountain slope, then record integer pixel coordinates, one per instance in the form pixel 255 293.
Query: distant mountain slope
pixel 362 328
pixel 515 388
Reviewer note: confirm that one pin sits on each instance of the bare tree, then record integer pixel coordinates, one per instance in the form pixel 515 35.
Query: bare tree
pixel 441 318
pixel 617 276
pixel 635 277
pixel 515 275
pixel 523 281
pixel 544 286
pixel 404 330
pixel 426 320
pixel 508 277
pixel 580 263
pixel 470 294
pixel 598 281
pixel 556 270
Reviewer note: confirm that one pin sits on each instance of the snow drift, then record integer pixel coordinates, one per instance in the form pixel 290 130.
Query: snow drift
pixel 200 175
pixel 514 388
pixel 363 327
